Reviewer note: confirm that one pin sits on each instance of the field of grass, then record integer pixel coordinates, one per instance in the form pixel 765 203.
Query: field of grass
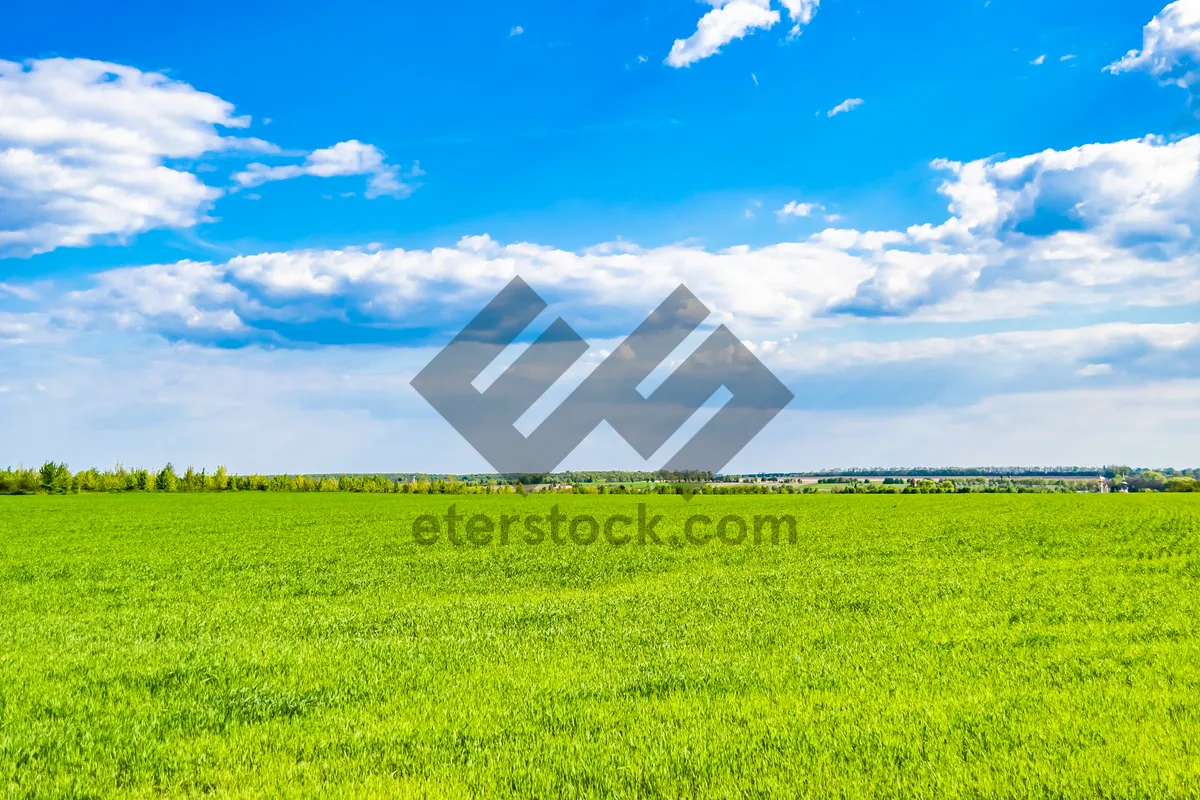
pixel 907 646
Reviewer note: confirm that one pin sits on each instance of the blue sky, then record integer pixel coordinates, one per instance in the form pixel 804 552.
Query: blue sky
pixel 962 232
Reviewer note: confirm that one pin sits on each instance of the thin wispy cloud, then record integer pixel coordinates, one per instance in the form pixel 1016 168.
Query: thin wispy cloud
pixel 845 106
pixel 342 159
pixel 797 209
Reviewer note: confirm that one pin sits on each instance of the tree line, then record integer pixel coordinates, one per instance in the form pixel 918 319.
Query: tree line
pixel 57 478
pixel 1108 471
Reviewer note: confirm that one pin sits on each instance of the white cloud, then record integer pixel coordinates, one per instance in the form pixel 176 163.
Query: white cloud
pixel 1067 57
pixel 794 283
pixel 93 151
pixel 516 31
pixel 187 295
pixel 794 208
pixel 1096 225
pixel 1098 228
pixel 801 13
pixel 1091 230
pixel 19 292
pixel 1037 62
pixel 731 19
pixel 1170 46
pixel 734 19
pixel 1093 370
pixel 84 147
pixel 342 159
pixel 846 105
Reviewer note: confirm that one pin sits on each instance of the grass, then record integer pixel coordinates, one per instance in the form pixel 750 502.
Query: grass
pixel 914 646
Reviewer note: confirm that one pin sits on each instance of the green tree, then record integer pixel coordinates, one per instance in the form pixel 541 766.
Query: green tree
pixel 167 481
pixel 56 478
pixel 1146 480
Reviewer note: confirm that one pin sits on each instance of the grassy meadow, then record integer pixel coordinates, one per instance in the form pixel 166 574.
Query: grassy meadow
pixel 933 646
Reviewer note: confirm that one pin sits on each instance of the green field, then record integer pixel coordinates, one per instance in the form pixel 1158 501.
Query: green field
pixel 907 646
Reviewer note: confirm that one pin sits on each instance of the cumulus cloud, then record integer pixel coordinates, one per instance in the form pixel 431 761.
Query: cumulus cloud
pixel 846 105
pixel 94 151
pixel 728 21
pixel 84 151
pixel 801 13
pixel 517 30
pixel 319 293
pixel 340 160
pixel 1098 228
pixel 1170 46
pixel 734 19
pixel 1090 226
pixel 187 298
